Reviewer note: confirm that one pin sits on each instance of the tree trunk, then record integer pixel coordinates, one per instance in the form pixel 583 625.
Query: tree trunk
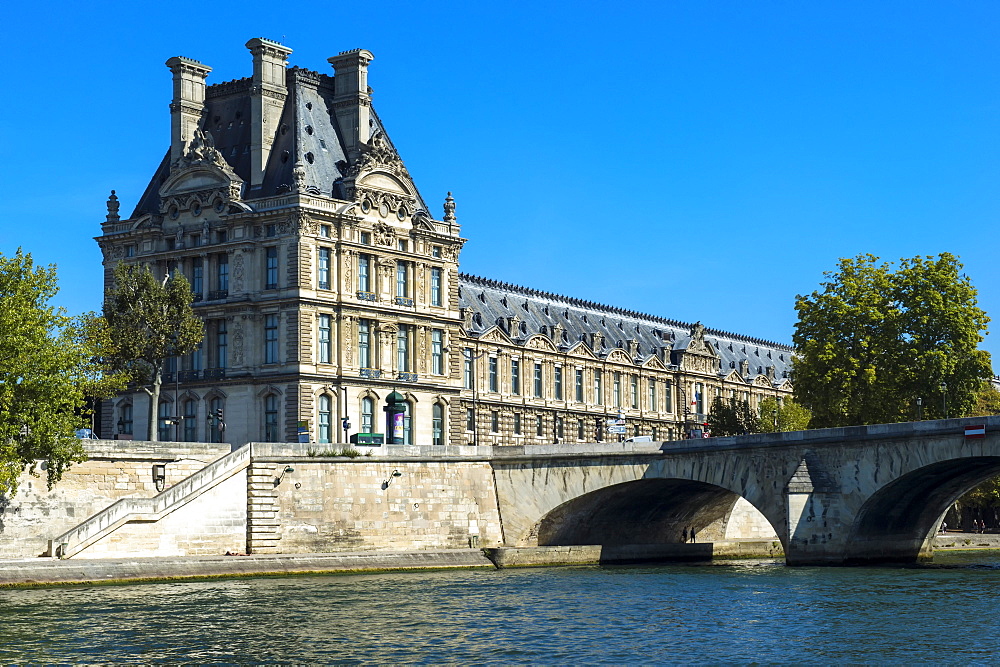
pixel 154 404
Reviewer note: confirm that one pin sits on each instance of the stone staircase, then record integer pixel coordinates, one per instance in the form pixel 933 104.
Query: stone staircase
pixel 128 510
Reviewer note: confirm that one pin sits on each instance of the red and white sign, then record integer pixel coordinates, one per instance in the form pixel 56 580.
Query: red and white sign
pixel 978 431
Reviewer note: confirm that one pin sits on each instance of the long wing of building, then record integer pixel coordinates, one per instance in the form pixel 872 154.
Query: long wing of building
pixel 334 308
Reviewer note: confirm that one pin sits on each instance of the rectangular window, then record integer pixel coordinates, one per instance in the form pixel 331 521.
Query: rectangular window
pixel 324 231
pixel 403 348
pixel 364 273
pixel 221 236
pixel 270 339
pixel 598 386
pixel 470 419
pixel 435 251
pixel 435 286
pixel 364 344
pixel 515 377
pixel 579 429
pixel 366 238
pixel 271 280
pixel 494 422
pixel 579 385
pixel 634 392
pixel 437 354
pixel 699 398
pixel 221 344
pixel 539 426
pixel 654 434
pixel 652 397
pixel 617 390
pixel 271 230
pixel 190 421
pixel 402 280
pixel 323 273
pixel 197 278
pixel 668 397
pixel 493 374
pixel 538 380
pixel 517 423
pixel 558 383
pixel 403 245
pixel 467 368
pixel 222 272
pixel 196 358
pixel 559 428
pixel 325 339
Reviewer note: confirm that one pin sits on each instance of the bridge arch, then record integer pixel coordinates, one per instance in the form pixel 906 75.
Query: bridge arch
pixel 897 522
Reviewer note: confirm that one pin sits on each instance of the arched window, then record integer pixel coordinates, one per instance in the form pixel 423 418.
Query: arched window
pixel 214 432
pixel 324 418
pixel 270 418
pixel 367 415
pixel 165 432
pixel 190 420
pixel 437 425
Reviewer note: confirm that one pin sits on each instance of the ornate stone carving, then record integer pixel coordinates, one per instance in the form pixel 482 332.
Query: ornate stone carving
pixel 379 154
pixel 449 209
pixel 238 345
pixel 377 199
pixel 238 272
pixel 383 234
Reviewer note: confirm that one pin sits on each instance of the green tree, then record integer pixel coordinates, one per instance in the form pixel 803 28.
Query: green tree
pixel 148 322
pixel 790 416
pixel 874 340
pixel 48 367
pixel 732 417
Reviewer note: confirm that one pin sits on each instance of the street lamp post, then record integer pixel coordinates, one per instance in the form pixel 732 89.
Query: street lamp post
pixel 944 398
pixel 920 408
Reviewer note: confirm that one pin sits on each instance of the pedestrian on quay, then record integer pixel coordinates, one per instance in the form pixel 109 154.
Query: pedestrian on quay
pixel 692 536
pixel 684 538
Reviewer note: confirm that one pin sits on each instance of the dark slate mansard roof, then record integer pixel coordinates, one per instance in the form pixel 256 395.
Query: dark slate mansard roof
pixel 490 301
pixel 307 134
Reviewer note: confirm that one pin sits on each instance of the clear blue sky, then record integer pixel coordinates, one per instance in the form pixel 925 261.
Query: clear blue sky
pixel 696 160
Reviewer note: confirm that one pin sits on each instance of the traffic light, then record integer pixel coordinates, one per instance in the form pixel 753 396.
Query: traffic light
pixel 218 420
pixel 599 429
pixel 345 423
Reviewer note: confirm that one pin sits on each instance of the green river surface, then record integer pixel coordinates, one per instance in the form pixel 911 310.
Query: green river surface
pixel 725 612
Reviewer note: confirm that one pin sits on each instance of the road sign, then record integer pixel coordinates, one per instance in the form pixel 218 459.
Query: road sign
pixel 616 422
pixel 616 430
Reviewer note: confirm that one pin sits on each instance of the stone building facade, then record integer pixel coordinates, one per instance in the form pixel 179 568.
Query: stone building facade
pixel 328 288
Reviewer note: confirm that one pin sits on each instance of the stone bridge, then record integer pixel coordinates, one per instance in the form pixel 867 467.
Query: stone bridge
pixel 833 496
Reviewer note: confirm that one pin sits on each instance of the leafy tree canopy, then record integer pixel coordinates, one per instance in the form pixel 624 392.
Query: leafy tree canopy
pixel 732 417
pixel 148 322
pixel 48 367
pixel 784 416
pixel 873 340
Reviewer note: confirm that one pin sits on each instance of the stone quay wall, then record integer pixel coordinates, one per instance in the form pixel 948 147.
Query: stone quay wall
pixel 115 469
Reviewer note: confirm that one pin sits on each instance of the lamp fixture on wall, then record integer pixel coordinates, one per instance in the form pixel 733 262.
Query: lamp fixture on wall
pixel 159 475
pixel 287 469
pixel 387 482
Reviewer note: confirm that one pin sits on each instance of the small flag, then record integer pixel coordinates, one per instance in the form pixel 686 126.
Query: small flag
pixel 978 431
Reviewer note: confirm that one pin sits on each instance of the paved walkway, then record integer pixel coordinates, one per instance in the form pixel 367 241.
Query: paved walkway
pixel 40 571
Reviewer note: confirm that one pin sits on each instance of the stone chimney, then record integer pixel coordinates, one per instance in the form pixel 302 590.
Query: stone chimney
pixel 267 101
pixel 188 103
pixel 352 99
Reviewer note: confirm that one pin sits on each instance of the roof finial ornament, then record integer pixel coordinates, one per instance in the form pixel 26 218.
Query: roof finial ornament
pixel 449 208
pixel 113 205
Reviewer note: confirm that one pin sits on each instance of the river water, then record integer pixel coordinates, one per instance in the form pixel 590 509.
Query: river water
pixel 734 612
